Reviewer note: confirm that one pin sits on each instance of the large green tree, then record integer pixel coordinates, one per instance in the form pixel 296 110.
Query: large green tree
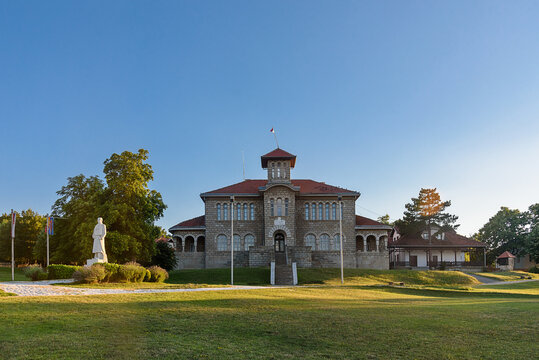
pixel 29 227
pixel 126 204
pixel 531 245
pixel 424 210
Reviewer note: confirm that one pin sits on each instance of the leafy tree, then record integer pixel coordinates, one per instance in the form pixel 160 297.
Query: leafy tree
pixel 28 228
pixel 426 209
pixel 384 219
pixel 531 244
pixel 164 256
pixel 128 207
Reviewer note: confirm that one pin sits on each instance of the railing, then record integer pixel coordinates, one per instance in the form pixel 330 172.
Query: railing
pixel 396 264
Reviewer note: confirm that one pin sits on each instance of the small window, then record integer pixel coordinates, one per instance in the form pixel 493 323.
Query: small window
pixel 313 213
pixel 279 170
pixel 225 211
pixel 310 240
pixel 286 207
pixel 218 211
pixel 320 211
pixel 333 211
pixel 279 207
pixel 238 210
pixel 306 211
pixel 222 241
pixel 252 211
pixel 273 170
pixel 341 215
pixel 249 241
pixel 324 242
pixel 245 213
pixel 272 208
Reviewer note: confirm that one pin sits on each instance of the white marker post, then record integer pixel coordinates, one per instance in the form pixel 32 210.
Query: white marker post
pixel 13 220
pixel 47 231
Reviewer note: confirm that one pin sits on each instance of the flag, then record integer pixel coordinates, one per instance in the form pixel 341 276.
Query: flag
pixel 50 225
pixel 272 131
pixel 13 219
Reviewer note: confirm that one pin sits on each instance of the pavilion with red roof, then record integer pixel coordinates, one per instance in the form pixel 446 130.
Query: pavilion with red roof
pixel 280 220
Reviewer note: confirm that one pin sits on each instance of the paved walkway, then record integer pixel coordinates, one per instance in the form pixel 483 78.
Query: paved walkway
pixel 44 288
pixel 489 281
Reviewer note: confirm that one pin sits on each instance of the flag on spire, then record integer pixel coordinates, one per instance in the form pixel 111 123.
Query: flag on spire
pixel 272 131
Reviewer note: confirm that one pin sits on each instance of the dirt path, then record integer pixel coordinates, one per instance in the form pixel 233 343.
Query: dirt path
pixel 488 281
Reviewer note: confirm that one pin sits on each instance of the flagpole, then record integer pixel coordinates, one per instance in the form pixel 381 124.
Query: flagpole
pixel 340 238
pixel 12 247
pixel 232 240
pixel 275 136
pixel 48 220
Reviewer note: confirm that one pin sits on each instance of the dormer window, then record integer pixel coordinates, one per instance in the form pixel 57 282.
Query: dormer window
pixel 425 236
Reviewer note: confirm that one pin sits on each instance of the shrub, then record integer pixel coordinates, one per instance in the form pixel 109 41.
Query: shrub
pixel 157 274
pixel 534 270
pixel 90 274
pixel 131 272
pixel 35 272
pixel 111 272
pixel 164 256
pixel 148 276
pixel 59 271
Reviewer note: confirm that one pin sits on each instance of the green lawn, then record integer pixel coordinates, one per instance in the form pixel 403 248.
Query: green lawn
pixel 5 274
pixel 508 275
pixel 322 322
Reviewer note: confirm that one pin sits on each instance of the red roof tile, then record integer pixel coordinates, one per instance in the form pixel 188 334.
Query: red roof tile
pixel 451 239
pixel 277 154
pixel 506 254
pixel 307 187
pixel 361 220
pixel 194 222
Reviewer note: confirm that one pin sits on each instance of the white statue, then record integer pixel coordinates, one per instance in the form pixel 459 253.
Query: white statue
pixel 100 255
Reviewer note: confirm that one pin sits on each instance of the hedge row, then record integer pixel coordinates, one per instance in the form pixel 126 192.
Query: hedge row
pixel 130 272
pixel 106 272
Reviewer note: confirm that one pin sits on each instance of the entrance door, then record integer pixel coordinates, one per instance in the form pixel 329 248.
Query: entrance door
pixel 413 260
pixel 434 261
pixel 279 243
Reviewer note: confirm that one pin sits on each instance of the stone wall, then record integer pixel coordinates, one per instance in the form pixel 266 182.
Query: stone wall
pixel 372 260
pixel 260 256
pixel 301 255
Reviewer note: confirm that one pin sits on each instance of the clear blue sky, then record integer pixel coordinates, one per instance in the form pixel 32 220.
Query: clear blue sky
pixel 382 97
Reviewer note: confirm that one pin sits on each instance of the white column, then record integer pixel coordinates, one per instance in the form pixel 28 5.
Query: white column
pixel 365 244
pixel 183 245
pixel 195 249
pixel 377 244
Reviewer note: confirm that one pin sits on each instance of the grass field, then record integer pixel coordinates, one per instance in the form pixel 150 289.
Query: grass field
pixel 5 274
pixel 508 275
pixel 321 322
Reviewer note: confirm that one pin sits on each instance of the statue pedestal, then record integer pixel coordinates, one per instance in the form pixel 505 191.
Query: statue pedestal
pixel 90 262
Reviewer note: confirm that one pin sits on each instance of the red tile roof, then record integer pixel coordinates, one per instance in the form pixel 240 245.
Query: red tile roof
pixel 506 254
pixel 361 220
pixel 194 222
pixel 307 187
pixel 277 154
pixel 451 239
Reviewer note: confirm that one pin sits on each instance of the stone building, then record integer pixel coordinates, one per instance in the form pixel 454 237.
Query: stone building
pixel 280 216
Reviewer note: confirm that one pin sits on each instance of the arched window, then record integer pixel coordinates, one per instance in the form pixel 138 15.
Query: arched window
pixel 327 211
pixel 237 242
pixel 333 211
pixel 320 211
pixel 313 212
pixel 201 244
pixel 341 215
pixel 225 211
pixel 222 243
pixel 252 211
pixel 238 211
pixel 245 212
pixel 278 170
pixel 306 211
pixel 279 207
pixel 218 211
pixel 286 207
pixel 324 242
pixel 273 170
pixel 336 242
pixel 310 240
pixel 371 243
pixel 359 243
pixel 249 241
pixel 272 208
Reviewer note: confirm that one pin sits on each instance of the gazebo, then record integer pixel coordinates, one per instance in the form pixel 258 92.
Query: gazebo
pixel 505 261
